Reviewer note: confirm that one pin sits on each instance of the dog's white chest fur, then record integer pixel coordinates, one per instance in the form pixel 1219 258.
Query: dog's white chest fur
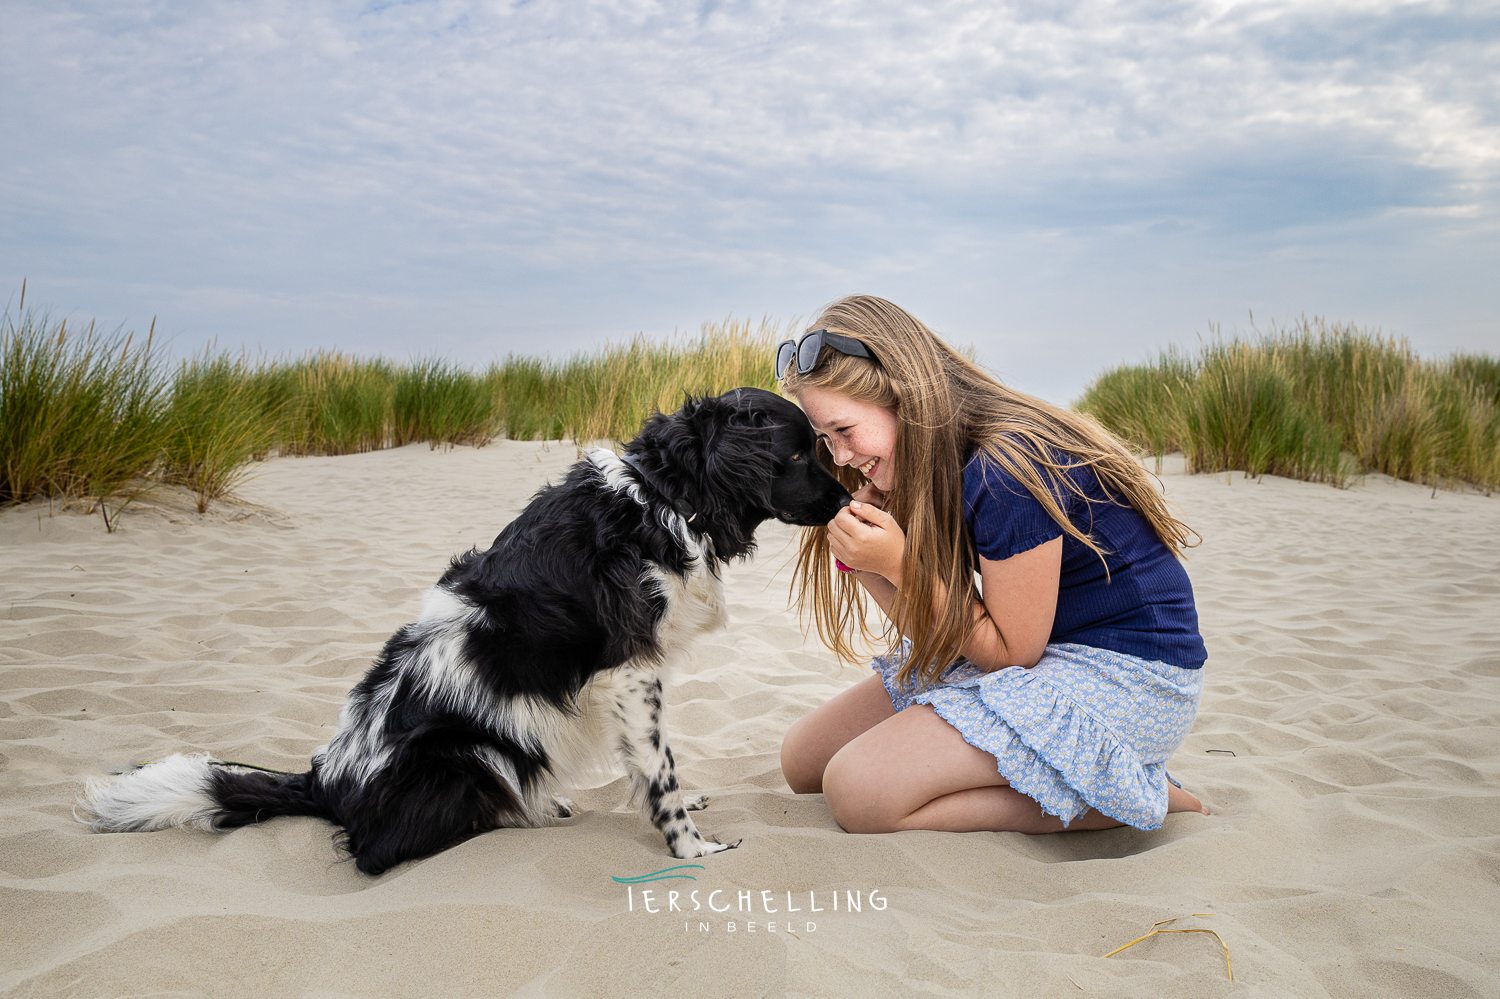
pixel 695 602
pixel 695 606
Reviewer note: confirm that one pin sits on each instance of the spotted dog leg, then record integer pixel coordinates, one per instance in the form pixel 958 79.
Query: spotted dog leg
pixel 563 808
pixel 653 772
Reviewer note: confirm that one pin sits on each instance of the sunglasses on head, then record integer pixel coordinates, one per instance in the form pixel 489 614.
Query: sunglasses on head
pixel 806 348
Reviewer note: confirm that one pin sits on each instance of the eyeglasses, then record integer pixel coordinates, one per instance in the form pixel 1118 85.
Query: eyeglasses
pixel 806 348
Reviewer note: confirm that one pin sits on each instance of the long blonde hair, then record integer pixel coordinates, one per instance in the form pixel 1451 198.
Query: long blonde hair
pixel 947 409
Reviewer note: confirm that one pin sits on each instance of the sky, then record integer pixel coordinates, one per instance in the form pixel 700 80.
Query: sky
pixel 1066 186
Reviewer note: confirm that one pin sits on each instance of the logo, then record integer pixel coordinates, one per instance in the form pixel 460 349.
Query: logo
pixel 731 910
pixel 662 875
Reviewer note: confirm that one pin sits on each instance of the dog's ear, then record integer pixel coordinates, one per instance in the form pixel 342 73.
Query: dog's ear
pixel 738 454
pixel 719 454
pixel 750 409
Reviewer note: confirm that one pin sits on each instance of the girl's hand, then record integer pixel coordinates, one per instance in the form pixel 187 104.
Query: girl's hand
pixel 865 537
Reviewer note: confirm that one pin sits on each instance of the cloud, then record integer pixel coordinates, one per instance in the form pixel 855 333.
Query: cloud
pixel 581 158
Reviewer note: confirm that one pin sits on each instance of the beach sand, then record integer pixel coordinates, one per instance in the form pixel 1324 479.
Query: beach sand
pixel 1348 746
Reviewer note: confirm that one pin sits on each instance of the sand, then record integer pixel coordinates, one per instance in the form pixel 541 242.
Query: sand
pixel 1347 746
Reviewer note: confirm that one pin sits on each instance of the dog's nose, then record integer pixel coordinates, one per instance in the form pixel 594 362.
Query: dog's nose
pixel 845 500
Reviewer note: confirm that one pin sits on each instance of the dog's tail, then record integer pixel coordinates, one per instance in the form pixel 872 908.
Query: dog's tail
pixel 196 792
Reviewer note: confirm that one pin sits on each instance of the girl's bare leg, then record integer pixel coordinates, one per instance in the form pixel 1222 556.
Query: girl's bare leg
pixel 811 742
pixel 913 770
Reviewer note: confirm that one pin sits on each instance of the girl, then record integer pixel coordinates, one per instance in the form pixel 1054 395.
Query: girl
pixel 1046 698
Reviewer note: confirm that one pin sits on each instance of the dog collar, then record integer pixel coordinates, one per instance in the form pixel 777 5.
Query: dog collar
pixel 683 507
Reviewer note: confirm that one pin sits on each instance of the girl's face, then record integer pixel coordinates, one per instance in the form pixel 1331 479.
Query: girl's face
pixel 858 434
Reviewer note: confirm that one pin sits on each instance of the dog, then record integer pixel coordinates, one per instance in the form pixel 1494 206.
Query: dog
pixel 533 659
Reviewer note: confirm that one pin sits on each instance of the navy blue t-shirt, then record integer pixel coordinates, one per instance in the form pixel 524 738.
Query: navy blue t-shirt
pixel 1144 605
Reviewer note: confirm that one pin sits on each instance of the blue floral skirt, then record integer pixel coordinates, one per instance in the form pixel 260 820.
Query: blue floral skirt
pixel 1084 728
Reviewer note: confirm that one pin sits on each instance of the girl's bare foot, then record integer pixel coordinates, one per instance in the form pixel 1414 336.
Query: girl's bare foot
pixel 1179 800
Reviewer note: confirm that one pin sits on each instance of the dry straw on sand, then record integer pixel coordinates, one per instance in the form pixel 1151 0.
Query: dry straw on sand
pixel 1155 930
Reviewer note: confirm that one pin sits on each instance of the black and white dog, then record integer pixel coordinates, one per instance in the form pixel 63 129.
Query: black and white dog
pixel 534 658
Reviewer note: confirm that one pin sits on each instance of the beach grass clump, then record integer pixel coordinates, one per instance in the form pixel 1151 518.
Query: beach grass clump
pixel 443 403
pixel 1480 371
pixel 335 403
pixel 1244 412
pixel 607 394
pixel 217 420
pixel 81 413
pixel 1142 403
pixel 1314 401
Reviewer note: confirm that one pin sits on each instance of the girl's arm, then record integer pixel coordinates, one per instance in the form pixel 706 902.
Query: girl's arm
pixel 1013 621
pixel 878 587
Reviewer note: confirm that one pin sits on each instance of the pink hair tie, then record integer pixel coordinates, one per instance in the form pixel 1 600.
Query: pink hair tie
pixel 842 567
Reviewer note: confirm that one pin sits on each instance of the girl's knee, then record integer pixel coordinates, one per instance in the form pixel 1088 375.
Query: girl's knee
pixel 855 796
pixel 798 766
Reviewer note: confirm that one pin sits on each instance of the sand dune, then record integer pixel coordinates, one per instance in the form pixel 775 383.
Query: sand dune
pixel 1348 747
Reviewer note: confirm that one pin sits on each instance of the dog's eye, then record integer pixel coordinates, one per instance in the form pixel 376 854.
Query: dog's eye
pixel 797 456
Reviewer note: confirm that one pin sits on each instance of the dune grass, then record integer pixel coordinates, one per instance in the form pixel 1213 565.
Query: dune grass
pixel 1313 401
pixel 83 414
pixel 94 416
pixel 606 395
pixel 437 401
pixel 216 422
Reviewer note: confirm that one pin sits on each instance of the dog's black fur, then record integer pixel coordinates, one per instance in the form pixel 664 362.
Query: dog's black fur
pixel 532 653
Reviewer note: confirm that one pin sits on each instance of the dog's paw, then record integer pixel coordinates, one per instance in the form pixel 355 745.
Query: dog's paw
pixel 702 848
pixel 718 846
pixel 695 802
pixel 563 808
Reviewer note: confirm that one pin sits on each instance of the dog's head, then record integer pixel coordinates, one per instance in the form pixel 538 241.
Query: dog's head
pixel 739 459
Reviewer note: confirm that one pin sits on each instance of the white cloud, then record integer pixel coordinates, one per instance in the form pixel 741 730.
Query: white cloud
pixel 580 158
